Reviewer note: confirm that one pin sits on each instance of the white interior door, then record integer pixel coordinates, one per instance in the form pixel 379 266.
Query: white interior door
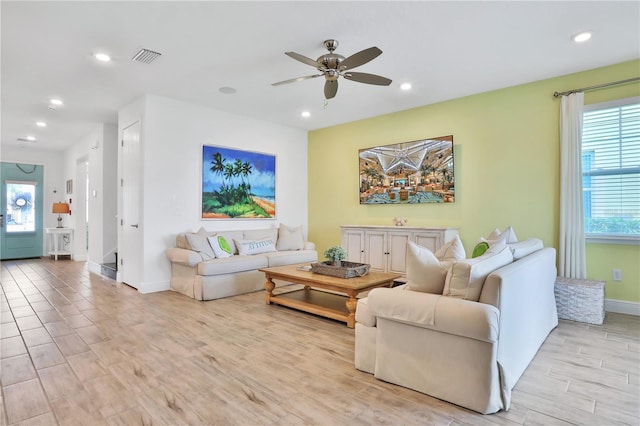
pixel 130 254
pixel 79 204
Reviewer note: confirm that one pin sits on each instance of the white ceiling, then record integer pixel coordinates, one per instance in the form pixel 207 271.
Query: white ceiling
pixel 445 50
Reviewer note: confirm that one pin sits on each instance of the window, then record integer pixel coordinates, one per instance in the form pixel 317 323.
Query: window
pixel 21 208
pixel 611 170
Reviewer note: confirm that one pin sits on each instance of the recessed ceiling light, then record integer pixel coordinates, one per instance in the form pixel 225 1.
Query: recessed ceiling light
pixel 41 124
pixel 581 37
pixel 55 102
pixel 227 90
pixel 30 138
pixel 405 86
pixel 102 57
pixel 306 114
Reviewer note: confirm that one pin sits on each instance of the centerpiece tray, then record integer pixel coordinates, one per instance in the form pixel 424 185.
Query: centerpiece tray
pixel 345 270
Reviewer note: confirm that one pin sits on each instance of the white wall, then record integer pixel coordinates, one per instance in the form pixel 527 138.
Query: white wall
pixel 80 151
pixel 99 148
pixel 53 179
pixel 173 133
pixel 109 192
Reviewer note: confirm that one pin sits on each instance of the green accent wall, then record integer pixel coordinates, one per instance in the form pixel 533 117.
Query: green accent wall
pixel 506 161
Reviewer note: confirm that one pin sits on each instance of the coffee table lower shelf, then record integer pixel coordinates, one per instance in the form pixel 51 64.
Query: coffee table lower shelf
pixel 316 302
pixel 324 295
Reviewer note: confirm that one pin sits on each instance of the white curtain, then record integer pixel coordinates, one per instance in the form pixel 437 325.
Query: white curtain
pixel 572 262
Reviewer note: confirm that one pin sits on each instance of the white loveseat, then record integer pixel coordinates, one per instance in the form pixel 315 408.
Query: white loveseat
pixel 198 273
pixel 470 353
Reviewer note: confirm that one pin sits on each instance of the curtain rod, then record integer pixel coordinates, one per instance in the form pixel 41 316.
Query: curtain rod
pixel 599 86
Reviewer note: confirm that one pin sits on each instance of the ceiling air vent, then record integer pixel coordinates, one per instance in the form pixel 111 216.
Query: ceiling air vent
pixel 145 56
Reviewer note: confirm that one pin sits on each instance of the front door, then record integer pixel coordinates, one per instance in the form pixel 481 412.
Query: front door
pixel 21 216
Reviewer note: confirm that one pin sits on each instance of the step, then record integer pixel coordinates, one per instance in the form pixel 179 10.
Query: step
pixel 109 270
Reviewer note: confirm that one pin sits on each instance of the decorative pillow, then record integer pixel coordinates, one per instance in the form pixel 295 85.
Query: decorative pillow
pixel 290 238
pixel 259 234
pixel 248 247
pixel 480 249
pixel 221 246
pixel 452 250
pixel 199 243
pixel 466 278
pixel 425 273
pixel 525 248
pixel 508 236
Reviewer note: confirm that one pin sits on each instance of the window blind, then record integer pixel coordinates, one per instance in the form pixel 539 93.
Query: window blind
pixel 611 170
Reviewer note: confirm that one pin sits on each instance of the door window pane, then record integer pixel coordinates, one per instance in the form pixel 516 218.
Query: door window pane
pixel 21 208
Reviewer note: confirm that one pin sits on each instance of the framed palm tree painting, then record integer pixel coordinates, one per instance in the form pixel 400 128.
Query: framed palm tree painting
pixel 237 184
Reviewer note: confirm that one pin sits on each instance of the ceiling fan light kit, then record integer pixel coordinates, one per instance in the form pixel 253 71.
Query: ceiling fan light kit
pixel 333 65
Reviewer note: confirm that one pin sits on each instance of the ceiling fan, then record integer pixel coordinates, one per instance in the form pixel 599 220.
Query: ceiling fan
pixel 332 65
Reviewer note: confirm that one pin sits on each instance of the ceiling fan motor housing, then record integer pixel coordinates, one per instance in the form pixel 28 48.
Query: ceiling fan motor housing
pixel 330 60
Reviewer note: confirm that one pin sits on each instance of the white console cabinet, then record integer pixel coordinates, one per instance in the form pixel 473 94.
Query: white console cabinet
pixel 385 247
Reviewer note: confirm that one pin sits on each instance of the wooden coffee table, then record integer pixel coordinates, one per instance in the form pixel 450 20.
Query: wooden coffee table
pixel 314 300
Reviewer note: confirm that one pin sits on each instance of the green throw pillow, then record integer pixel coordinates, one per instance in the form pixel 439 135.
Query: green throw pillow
pixel 479 249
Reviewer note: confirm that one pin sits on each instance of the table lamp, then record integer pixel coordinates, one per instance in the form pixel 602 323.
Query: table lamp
pixel 60 208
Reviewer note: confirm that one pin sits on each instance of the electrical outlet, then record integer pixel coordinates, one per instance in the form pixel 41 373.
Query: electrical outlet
pixel 617 275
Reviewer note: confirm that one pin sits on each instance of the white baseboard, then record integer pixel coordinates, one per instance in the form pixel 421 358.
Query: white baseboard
pixel 154 287
pixel 622 307
pixel 94 267
pixel 79 257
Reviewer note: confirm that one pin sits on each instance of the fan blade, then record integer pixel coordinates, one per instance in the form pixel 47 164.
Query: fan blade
pixel 293 80
pixel 363 77
pixel 330 88
pixel 303 59
pixel 360 58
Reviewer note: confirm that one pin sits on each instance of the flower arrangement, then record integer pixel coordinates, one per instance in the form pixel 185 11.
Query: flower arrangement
pixel 336 254
pixel 399 221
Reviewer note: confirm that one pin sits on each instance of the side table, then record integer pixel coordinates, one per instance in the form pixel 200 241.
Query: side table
pixel 58 239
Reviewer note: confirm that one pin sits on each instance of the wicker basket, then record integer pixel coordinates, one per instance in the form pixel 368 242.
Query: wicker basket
pixel 347 270
pixel 580 300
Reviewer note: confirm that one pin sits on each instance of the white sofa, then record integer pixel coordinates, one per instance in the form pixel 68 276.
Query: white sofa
pixel 465 352
pixel 197 273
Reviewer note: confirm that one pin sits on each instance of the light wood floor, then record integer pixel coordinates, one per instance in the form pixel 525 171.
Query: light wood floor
pixel 79 349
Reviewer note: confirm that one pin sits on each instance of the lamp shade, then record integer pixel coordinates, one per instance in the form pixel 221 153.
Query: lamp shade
pixel 60 208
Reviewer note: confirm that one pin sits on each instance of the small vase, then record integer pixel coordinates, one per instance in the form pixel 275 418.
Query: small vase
pixel 337 263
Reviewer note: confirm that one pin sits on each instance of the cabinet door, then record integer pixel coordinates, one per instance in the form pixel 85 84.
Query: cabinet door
pixel 397 251
pixel 353 243
pixel 375 250
pixel 430 240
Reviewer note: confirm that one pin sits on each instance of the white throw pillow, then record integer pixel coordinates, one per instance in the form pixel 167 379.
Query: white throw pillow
pixel 199 243
pixel 290 238
pixel 466 277
pixel 249 247
pixel 259 234
pixel 525 248
pixel 508 236
pixel 221 246
pixel 425 272
pixel 452 250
